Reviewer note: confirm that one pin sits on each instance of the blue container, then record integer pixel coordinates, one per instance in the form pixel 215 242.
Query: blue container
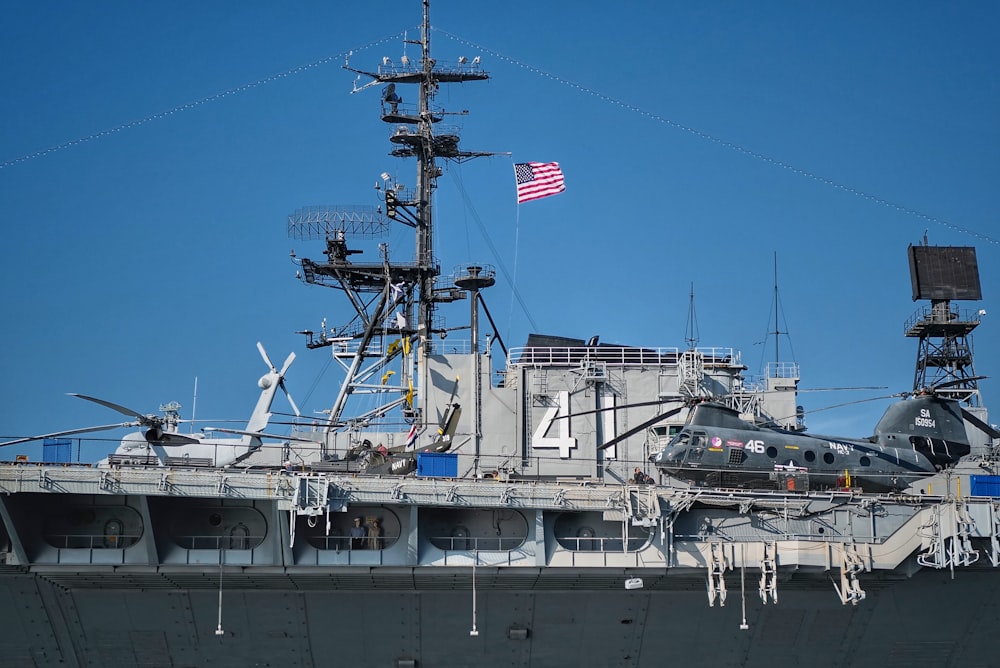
pixel 57 451
pixel 437 464
pixel 985 485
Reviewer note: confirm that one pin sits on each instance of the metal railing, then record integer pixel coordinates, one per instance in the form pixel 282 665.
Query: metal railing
pixel 597 544
pixel 201 542
pixel 614 355
pixel 346 543
pixel 478 543
pixel 92 541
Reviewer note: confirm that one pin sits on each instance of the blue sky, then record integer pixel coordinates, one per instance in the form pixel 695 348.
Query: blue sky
pixel 148 247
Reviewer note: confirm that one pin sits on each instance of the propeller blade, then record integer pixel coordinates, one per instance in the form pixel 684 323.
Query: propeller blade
pixel 143 419
pixel 267 360
pixel 70 431
pixel 985 428
pixel 644 425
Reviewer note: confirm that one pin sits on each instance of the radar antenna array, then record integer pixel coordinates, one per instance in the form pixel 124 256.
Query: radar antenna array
pixel 941 274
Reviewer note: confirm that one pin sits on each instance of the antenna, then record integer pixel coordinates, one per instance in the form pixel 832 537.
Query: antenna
pixel 777 332
pixel 194 404
pixel 691 334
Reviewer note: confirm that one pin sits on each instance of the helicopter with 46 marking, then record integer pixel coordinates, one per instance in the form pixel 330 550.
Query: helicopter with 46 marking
pixel 920 435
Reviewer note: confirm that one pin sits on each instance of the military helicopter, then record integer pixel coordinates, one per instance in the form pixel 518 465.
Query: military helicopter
pixel 916 437
pixel 159 444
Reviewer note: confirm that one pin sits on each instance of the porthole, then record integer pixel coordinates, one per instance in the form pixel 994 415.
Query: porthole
pixel 772 452
pixel 864 461
pixel 810 456
pixel 828 457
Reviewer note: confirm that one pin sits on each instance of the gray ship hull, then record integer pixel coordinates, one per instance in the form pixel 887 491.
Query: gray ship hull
pixel 146 567
pixel 365 618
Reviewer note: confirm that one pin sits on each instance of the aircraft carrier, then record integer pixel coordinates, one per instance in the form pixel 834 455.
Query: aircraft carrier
pixel 471 504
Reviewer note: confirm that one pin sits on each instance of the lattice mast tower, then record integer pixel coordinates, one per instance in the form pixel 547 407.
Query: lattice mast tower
pixel 387 295
pixel 943 274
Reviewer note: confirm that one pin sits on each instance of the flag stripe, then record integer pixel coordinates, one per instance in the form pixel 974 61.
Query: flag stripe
pixel 538 179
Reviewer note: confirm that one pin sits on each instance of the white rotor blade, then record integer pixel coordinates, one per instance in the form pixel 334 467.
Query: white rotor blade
pixel 288 363
pixel 288 396
pixel 263 354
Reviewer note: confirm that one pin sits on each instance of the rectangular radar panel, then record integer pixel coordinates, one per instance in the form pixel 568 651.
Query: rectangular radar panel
pixel 944 272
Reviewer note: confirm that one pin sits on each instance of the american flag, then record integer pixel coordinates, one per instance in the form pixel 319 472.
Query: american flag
pixel 538 179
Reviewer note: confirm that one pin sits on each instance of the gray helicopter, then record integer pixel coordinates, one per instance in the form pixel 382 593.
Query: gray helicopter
pixel 921 435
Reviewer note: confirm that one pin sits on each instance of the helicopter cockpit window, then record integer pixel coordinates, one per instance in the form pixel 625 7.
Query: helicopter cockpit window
pixel 698 440
pixel 680 439
pixel 694 454
pixel 665 431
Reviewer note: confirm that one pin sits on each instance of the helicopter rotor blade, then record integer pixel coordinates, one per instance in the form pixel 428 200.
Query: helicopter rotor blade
pixel 622 407
pixel 884 397
pixel 142 419
pixel 984 427
pixel 644 425
pixel 957 381
pixel 259 434
pixel 68 432
pixel 263 354
pixel 288 395
pixel 288 363
pixel 840 389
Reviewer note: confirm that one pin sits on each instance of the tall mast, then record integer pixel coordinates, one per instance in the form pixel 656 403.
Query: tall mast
pixel 426 176
pixel 777 309
pixel 387 294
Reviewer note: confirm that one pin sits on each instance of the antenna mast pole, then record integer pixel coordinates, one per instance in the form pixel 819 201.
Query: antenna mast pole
pixel 426 174
pixel 403 295
pixel 777 332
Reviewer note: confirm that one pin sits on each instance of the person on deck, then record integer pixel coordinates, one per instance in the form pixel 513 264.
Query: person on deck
pixel 358 534
pixel 640 478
